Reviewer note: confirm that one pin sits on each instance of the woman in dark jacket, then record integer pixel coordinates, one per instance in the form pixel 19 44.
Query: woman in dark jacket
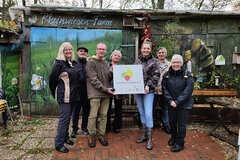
pixel 115 59
pixel 63 83
pixel 144 101
pixel 177 89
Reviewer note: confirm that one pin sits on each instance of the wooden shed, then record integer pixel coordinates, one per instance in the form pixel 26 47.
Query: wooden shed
pixel 199 36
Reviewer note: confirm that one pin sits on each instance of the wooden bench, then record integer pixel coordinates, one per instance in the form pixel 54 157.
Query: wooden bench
pixel 213 92
pixel 130 107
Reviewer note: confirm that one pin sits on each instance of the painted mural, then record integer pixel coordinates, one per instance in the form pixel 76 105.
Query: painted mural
pixel 9 60
pixel 45 43
pixel 200 57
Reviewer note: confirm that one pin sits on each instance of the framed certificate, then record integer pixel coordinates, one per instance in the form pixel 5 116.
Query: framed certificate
pixel 128 79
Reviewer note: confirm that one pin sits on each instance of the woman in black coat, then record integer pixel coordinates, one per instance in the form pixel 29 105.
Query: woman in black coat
pixel 177 89
pixel 64 86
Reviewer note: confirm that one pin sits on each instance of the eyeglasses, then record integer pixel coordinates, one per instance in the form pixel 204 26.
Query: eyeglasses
pixel 161 52
pixel 67 49
pixel 176 62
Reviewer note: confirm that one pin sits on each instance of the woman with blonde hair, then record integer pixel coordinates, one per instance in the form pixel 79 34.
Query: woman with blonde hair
pixel 64 86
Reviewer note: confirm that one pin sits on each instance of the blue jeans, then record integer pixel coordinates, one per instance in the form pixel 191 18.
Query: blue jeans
pixel 145 108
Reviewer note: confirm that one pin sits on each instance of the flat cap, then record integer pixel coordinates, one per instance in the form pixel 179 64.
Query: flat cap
pixel 84 48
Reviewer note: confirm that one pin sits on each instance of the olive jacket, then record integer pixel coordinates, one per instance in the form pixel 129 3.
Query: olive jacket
pixel 98 78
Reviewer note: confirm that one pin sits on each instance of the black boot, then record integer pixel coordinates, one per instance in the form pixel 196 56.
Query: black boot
pixel 149 142
pixel 171 141
pixel 177 148
pixel 144 137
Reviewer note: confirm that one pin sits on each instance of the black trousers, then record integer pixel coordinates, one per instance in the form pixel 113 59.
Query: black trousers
pixel 178 120
pixel 85 104
pixel 159 99
pixel 117 124
pixel 63 124
pixel 5 117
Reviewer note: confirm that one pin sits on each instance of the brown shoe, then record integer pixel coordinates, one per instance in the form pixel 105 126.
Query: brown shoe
pixel 92 141
pixel 103 140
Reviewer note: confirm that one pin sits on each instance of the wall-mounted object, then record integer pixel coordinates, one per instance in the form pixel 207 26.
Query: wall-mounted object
pixel 220 60
pixel 189 66
pixel 139 23
pixel 128 20
pixel 235 58
pixel 217 80
pixel 200 79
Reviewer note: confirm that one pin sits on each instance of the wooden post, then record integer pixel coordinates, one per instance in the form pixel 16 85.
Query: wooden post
pixel 239 145
pixel 10 113
pixel 0 69
pixel 20 103
pixel 136 46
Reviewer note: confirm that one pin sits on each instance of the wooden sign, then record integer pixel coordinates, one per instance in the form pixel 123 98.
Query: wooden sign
pixel 75 21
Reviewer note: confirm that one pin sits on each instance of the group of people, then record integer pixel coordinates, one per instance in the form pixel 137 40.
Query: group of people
pixel 88 84
pixel 171 85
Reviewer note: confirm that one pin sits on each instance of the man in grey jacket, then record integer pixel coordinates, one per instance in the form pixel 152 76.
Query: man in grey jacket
pixel 158 97
pixel 98 78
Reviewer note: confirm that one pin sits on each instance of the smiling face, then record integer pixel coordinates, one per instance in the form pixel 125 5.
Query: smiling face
pixel 82 53
pixel 68 52
pixel 101 50
pixel 176 64
pixel 116 57
pixel 161 54
pixel 146 50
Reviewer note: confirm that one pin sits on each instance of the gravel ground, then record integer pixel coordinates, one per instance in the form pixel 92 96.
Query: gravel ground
pixel 29 138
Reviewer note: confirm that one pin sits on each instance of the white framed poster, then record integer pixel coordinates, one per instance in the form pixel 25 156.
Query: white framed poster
pixel 128 79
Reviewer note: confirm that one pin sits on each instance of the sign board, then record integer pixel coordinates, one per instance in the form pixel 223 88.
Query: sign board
pixel 128 79
pixel 220 60
pixel 74 21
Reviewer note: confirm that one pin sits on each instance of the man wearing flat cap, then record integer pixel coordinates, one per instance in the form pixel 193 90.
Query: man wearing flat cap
pixel 82 53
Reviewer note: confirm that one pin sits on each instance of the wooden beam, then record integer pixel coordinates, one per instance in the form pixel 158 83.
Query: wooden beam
pixel 232 93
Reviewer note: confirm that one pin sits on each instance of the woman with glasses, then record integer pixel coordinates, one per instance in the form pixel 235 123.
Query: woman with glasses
pixel 64 86
pixel 151 75
pixel 177 89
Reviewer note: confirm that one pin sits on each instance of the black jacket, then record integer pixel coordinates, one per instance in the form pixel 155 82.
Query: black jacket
pixel 81 64
pixel 178 87
pixel 63 82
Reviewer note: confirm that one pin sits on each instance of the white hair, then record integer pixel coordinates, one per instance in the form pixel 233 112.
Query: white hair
pixel 115 51
pixel 177 56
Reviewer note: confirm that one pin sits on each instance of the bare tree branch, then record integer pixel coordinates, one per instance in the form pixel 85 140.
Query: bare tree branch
pixel 200 5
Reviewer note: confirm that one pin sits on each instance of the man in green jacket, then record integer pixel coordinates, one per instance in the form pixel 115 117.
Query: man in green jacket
pixel 98 78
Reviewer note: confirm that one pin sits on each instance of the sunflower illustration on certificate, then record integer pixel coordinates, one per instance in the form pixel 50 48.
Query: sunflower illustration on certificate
pixel 128 79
